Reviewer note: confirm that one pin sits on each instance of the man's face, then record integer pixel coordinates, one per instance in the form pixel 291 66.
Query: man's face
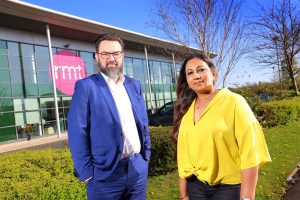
pixel 110 58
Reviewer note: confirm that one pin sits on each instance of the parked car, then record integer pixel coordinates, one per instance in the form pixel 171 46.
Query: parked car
pixel 163 116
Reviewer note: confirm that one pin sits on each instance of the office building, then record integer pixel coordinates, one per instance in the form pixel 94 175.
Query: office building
pixel 30 36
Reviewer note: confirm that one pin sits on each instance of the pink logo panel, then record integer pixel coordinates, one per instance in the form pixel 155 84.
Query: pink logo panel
pixel 68 68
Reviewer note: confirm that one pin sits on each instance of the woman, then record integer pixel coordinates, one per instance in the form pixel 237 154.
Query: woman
pixel 220 143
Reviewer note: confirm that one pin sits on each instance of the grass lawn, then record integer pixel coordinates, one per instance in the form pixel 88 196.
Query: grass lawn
pixel 163 187
pixel 283 143
pixel 286 102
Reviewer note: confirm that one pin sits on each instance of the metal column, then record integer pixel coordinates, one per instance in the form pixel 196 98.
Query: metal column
pixel 149 80
pixel 53 81
pixel 174 74
pixel 174 68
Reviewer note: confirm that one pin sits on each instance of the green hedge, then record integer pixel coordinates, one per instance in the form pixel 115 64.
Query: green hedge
pixel 40 174
pixel 280 109
pixel 263 91
pixel 162 151
pixel 276 113
pixel 48 174
pixel 270 116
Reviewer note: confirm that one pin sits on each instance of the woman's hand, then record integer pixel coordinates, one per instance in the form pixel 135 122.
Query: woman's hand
pixel 186 197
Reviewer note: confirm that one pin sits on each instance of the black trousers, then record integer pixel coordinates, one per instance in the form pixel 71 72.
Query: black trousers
pixel 198 190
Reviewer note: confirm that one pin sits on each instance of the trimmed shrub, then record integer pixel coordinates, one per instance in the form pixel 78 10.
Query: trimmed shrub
pixel 48 173
pixel 270 116
pixel 39 174
pixel 275 113
pixel 162 151
pixel 264 92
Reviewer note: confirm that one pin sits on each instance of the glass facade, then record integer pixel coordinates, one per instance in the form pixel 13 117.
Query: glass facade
pixel 26 91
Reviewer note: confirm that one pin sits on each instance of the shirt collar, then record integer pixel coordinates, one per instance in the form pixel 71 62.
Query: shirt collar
pixel 110 80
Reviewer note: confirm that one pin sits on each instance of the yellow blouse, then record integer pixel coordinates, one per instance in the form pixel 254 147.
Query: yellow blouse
pixel 226 139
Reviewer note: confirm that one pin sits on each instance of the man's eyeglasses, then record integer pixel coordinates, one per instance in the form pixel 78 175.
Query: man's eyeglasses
pixel 116 54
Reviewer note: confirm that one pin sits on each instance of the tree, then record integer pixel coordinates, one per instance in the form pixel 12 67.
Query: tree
pixel 209 25
pixel 276 30
pixel 285 75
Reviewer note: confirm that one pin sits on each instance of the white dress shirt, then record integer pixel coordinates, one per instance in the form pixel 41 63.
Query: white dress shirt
pixel 131 140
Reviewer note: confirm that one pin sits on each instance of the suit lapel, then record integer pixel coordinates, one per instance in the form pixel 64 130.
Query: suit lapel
pixel 132 93
pixel 101 83
pixel 133 96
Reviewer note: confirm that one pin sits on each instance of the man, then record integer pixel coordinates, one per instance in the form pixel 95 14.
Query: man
pixel 108 128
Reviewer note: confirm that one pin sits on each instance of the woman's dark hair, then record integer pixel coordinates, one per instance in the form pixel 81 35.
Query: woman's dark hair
pixel 185 95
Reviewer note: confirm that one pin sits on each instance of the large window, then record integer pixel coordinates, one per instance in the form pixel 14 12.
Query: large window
pixel 26 90
pixel 7 123
pixel 161 80
pixel 3 55
pixel 89 62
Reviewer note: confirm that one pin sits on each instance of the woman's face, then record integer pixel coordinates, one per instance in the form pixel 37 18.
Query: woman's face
pixel 199 76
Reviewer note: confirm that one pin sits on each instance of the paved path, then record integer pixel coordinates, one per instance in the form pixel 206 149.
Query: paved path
pixel 35 143
pixel 293 193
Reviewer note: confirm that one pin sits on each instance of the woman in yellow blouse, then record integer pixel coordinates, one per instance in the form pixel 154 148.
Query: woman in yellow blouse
pixel 220 144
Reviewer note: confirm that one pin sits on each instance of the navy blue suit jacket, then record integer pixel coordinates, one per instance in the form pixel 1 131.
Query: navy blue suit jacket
pixel 94 129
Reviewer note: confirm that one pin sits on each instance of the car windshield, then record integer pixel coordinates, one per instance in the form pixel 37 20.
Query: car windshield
pixel 163 116
pixel 167 108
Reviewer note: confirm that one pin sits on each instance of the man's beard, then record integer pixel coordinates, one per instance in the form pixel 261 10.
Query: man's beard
pixel 111 72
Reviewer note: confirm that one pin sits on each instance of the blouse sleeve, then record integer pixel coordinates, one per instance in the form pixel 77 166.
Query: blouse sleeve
pixel 253 149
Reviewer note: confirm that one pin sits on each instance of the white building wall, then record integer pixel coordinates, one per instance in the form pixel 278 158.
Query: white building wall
pixel 39 39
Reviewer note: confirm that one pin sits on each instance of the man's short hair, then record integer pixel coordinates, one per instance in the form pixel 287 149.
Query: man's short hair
pixel 110 37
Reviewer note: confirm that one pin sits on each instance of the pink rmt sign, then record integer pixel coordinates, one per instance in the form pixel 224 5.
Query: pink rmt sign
pixel 68 68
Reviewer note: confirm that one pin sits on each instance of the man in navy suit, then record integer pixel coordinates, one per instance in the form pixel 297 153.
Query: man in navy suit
pixel 108 128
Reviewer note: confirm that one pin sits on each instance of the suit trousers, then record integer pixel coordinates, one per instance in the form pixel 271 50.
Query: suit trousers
pixel 127 182
pixel 198 190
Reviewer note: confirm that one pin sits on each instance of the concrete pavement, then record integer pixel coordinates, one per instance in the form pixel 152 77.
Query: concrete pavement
pixel 34 143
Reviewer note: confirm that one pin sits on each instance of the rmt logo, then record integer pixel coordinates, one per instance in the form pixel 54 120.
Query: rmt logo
pixel 68 72
pixel 68 68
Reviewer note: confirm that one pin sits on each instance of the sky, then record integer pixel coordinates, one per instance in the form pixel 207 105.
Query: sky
pixel 132 15
pixel 135 15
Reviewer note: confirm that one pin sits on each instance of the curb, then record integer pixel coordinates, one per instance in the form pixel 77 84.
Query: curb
pixel 292 178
